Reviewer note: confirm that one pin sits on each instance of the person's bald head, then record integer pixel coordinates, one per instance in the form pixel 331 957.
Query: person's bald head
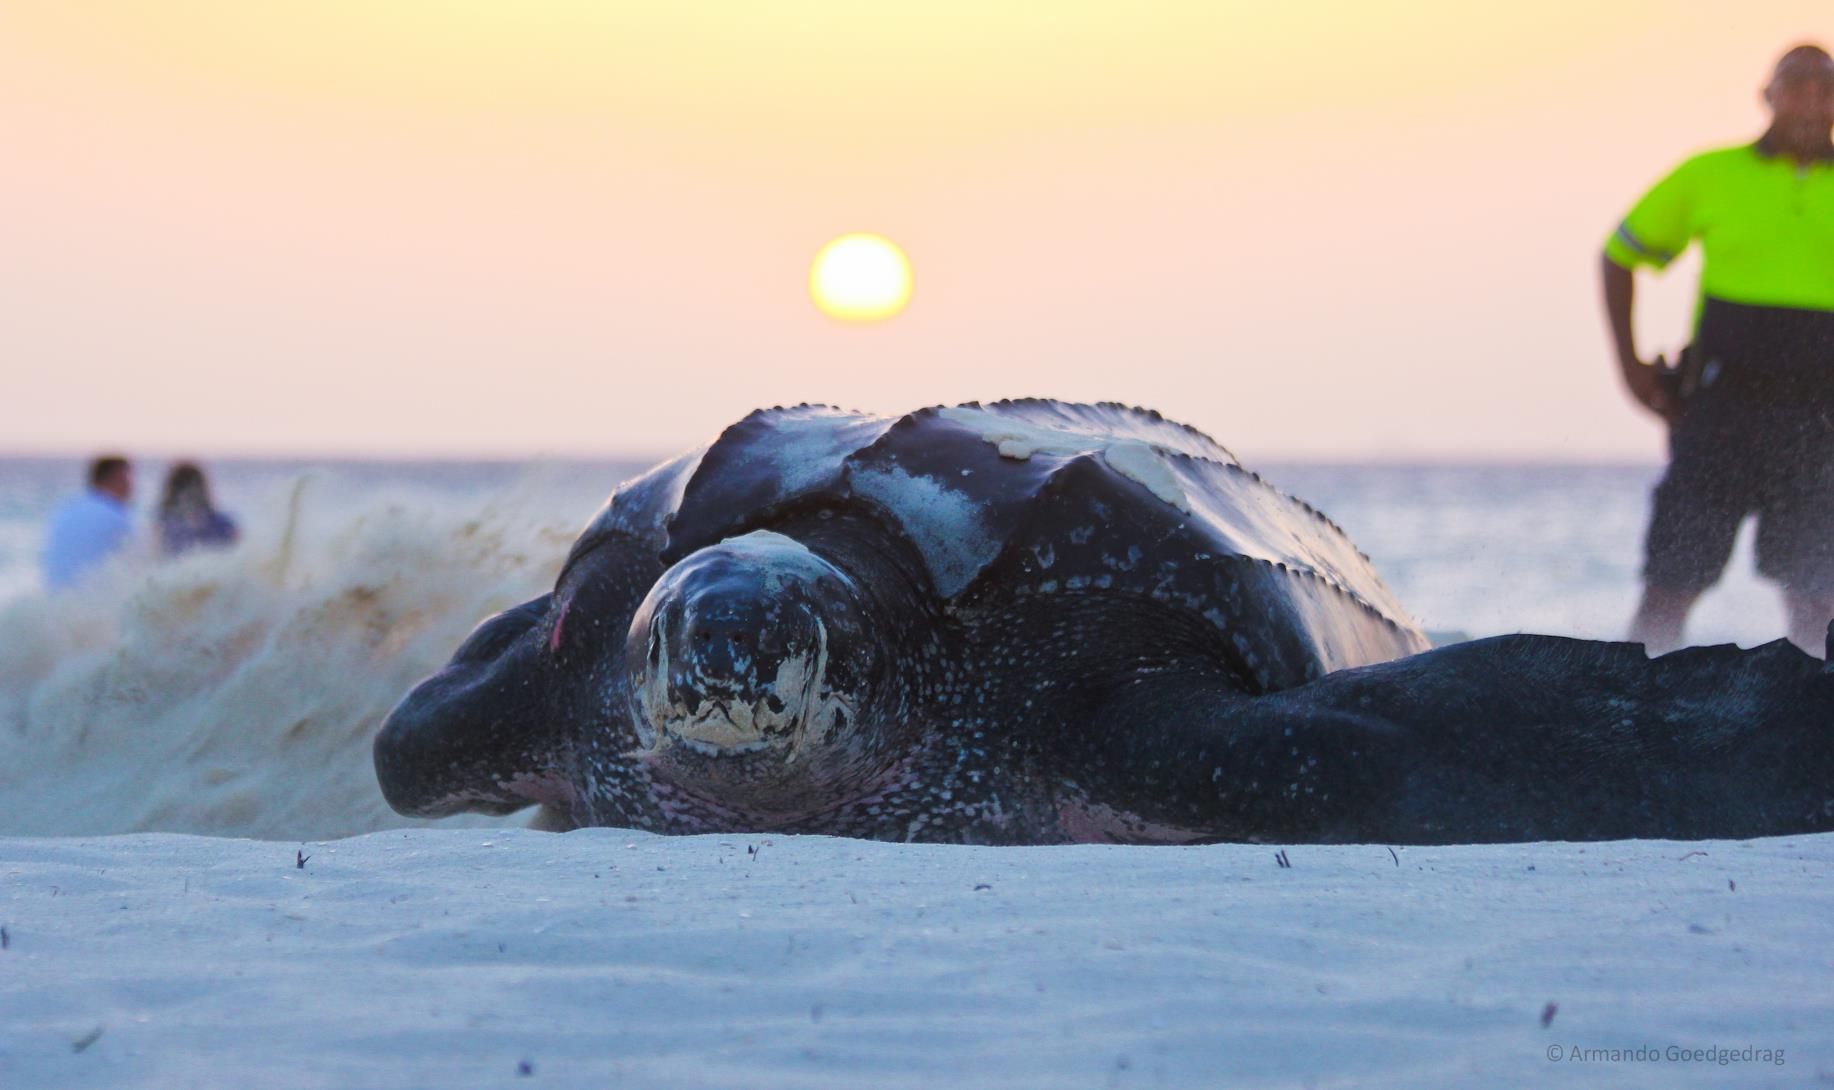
pixel 1808 53
pixel 1801 96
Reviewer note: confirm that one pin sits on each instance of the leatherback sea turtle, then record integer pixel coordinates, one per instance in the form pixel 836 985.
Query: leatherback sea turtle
pixel 1036 622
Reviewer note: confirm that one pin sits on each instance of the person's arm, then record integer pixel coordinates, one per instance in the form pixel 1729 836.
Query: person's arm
pixel 1643 379
pixel 1658 228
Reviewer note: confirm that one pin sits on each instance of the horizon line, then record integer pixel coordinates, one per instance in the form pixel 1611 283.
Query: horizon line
pixel 1392 458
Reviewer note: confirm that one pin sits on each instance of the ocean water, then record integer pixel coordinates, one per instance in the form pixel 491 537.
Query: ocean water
pixel 236 693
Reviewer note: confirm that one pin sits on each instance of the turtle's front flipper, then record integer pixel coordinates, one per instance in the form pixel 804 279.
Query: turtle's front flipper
pixel 1504 739
pixel 475 735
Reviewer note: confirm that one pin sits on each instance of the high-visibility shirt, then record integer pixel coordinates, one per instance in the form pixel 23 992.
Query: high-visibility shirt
pixel 1765 225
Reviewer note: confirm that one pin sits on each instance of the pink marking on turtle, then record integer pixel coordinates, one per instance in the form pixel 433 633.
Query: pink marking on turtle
pixel 560 620
pixel 1092 823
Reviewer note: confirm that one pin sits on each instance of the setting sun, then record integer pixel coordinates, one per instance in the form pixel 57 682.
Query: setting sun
pixel 860 278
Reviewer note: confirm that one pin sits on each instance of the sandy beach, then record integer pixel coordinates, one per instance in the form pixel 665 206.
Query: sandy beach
pixel 458 958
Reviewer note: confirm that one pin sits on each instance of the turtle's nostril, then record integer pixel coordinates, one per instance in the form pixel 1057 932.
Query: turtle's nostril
pixel 722 643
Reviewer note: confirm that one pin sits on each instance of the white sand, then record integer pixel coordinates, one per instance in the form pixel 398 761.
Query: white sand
pixel 448 958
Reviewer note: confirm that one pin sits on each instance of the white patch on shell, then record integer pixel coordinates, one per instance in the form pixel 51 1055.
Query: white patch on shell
pixel 1135 459
pixel 805 455
pixel 1142 462
pixel 945 524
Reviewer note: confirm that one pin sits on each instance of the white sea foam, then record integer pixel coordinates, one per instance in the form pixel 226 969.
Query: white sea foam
pixel 236 693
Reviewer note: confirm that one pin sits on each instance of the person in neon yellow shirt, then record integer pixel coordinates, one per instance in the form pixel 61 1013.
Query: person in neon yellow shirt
pixel 1751 406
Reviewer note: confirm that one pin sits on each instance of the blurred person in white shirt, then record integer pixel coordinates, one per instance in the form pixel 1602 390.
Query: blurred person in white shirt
pixel 90 527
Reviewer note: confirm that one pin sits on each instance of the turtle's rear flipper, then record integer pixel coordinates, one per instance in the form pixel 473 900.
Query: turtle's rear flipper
pixel 474 735
pixel 1504 739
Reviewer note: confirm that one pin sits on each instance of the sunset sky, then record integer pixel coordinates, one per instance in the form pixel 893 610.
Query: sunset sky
pixel 553 227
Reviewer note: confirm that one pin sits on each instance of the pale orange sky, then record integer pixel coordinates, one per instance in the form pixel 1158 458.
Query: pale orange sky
pixel 1330 230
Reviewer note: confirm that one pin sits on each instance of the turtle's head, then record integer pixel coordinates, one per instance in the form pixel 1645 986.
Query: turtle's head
pixel 748 663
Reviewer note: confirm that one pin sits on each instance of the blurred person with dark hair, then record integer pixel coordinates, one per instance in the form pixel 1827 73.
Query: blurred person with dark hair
pixel 187 519
pixel 1750 405
pixel 90 527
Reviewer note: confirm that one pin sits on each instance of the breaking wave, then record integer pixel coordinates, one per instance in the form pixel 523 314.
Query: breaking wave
pixel 236 693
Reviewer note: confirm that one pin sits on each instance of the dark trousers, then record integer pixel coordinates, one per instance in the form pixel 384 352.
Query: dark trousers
pixel 1755 436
